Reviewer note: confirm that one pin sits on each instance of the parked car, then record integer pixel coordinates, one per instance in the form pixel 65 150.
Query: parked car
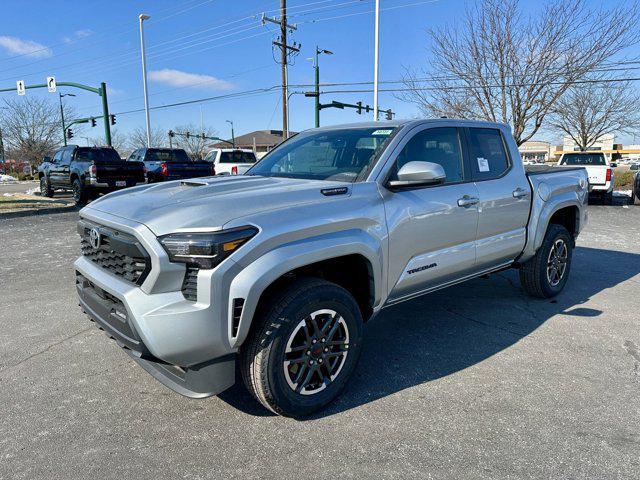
pixel 87 172
pixel 231 161
pixel 280 269
pixel 163 164
pixel 600 171
pixel 635 187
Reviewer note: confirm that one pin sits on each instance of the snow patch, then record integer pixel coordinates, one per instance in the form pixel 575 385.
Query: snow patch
pixel 622 193
pixel 8 178
pixel 33 191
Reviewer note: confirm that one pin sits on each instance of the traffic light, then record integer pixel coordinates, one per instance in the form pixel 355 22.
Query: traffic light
pixel 188 135
pixel 93 122
pixel 389 114
pixel 113 119
pixel 172 133
pixel 69 133
pixel 359 109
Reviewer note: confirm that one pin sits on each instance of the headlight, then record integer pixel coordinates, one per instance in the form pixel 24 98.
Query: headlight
pixel 205 250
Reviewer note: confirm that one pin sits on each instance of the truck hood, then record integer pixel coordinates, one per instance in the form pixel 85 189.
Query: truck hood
pixel 208 202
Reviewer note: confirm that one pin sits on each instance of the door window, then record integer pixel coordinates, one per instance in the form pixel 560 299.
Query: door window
pixel 66 157
pixel 435 145
pixel 58 156
pixel 488 156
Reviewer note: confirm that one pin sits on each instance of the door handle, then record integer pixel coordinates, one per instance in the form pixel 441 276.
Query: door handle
pixel 520 193
pixel 467 201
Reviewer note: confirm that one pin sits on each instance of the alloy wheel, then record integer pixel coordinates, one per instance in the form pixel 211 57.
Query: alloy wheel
pixel 557 262
pixel 316 351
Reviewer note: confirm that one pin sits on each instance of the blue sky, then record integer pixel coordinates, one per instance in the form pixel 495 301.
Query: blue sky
pixel 199 49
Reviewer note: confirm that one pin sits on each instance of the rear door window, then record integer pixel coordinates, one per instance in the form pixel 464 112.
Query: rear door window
pixel 487 153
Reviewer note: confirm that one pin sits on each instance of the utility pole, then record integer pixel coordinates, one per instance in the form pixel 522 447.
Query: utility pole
pixel 285 51
pixel 375 62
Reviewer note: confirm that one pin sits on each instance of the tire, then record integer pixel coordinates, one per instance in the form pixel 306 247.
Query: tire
pixel 281 326
pixel 45 187
pixel 537 275
pixel 80 194
pixel 607 198
pixel 635 199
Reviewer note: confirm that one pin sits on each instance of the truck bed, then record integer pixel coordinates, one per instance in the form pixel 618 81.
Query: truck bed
pixel 540 169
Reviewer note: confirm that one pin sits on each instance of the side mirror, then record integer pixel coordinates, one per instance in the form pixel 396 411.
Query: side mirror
pixel 614 165
pixel 417 174
pixel 47 160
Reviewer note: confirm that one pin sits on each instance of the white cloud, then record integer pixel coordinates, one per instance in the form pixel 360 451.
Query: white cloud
pixel 176 78
pixel 16 46
pixel 83 33
pixel 78 34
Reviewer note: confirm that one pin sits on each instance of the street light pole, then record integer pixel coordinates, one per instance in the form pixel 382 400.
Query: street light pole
pixel 316 67
pixel 233 136
pixel 142 17
pixel 64 132
pixel 375 62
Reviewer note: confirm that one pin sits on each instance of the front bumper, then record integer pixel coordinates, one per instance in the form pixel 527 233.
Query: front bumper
pixel 184 344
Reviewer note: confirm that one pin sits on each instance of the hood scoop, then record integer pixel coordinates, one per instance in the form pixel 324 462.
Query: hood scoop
pixel 194 182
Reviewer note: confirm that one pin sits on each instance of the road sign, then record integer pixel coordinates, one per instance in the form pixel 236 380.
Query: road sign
pixel 20 87
pixel 51 84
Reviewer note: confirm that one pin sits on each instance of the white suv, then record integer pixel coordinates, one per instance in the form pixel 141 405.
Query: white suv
pixel 231 161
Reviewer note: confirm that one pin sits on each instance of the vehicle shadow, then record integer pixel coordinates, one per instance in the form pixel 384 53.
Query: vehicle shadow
pixel 450 330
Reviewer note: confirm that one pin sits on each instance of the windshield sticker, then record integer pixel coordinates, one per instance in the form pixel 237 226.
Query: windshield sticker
pixel 483 164
pixel 382 132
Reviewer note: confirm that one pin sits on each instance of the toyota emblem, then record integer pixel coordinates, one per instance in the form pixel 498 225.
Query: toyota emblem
pixel 94 238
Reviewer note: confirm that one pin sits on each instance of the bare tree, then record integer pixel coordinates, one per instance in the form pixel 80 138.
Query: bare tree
pixel 31 128
pixel 119 141
pixel 195 145
pixel 138 138
pixel 588 111
pixel 501 65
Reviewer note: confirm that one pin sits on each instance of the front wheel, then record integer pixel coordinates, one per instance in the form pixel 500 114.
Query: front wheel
pixel 546 274
pixel 303 347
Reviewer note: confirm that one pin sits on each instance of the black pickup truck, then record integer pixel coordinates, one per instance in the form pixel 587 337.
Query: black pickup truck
pixel 163 164
pixel 87 172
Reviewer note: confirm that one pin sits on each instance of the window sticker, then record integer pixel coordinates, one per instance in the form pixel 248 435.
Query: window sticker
pixel 483 164
pixel 382 132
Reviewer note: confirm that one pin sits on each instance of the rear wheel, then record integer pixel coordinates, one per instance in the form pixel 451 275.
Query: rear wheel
pixel 80 194
pixel 607 198
pixel 303 348
pixel 635 195
pixel 546 274
pixel 45 187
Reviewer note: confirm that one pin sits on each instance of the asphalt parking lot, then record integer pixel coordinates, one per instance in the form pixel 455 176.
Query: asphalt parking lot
pixel 477 381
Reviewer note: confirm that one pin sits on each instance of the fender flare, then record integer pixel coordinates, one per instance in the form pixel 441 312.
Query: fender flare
pixel 538 230
pixel 254 279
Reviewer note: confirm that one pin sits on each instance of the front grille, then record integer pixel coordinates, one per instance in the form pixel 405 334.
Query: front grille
pixel 190 284
pixel 118 253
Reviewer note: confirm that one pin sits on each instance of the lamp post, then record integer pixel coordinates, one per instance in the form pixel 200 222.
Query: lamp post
pixel 64 133
pixel 316 67
pixel 2 157
pixel 375 61
pixel 142 17
pixel 233 137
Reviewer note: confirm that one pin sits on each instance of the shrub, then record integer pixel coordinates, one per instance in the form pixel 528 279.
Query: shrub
pixel 623 180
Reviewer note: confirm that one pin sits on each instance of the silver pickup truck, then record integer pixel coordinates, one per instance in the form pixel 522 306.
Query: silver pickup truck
pixel 279 269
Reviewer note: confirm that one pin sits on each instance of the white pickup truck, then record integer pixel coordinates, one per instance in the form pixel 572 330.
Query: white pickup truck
pixel 600 171
pixel 231 161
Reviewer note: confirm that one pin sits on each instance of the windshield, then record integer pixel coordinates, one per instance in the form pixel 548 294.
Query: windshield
pixel 167 156
pixel 325 155
pixel 583 159
pixel 97 155
pixel 237 156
